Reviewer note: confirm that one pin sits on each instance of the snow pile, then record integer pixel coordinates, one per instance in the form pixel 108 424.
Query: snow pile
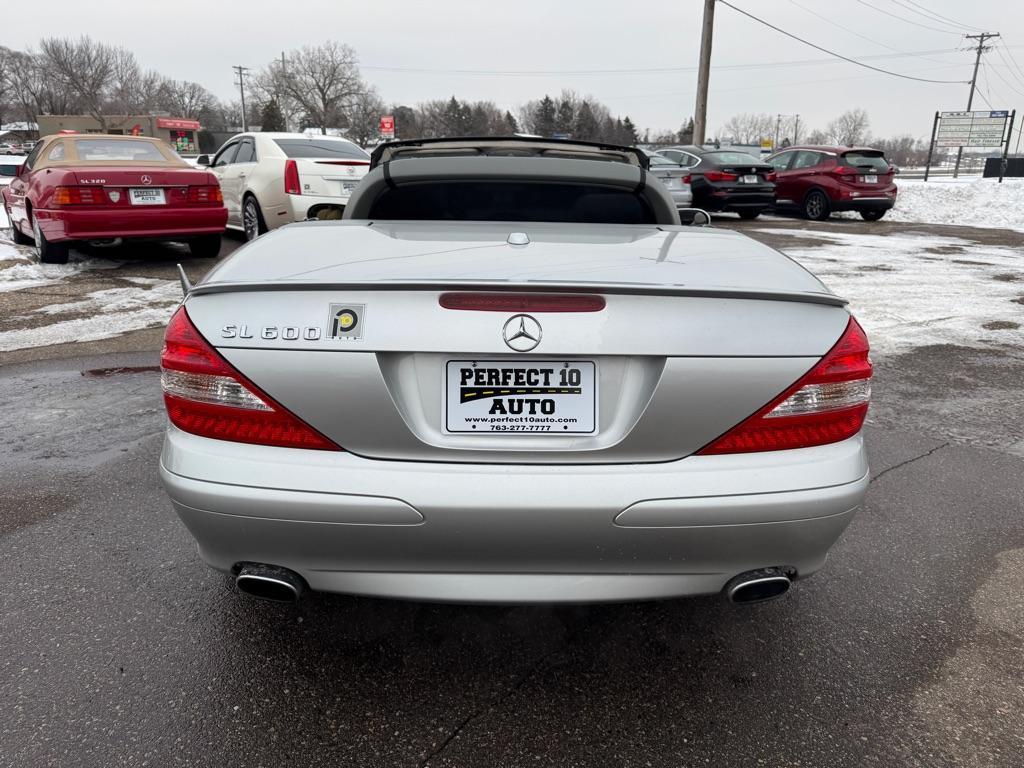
pixel 914 290
pixel 18 269
pixel 975 202
pixel 112 311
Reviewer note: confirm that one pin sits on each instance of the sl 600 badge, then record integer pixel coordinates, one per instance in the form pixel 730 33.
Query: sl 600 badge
pixel 271 332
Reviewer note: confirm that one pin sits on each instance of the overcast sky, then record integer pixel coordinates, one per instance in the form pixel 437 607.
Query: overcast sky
pixel 411 51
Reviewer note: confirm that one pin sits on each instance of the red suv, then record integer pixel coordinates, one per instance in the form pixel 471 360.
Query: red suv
pixel 816 181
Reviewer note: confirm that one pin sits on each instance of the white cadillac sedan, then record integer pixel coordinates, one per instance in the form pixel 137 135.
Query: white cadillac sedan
pixel 271 179
pixel 511 375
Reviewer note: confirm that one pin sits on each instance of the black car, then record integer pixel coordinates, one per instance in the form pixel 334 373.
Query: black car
pixel 730 180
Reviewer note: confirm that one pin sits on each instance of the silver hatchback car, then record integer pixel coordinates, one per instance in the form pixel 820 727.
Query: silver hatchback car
pixel 510 375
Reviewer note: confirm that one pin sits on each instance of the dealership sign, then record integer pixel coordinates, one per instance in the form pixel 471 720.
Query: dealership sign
pixel 387 126
pixel 972 129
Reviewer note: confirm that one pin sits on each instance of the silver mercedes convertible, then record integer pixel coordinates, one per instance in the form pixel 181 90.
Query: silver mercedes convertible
pixel 509 374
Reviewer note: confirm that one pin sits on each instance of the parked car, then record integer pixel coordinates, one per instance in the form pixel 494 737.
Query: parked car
pixel 679 156
pixel 671 175
pixel 270 179
pixel 94 187
pixel 510 375
pixel 9 167
pixel 9 149
pixel 816 181
pixel 729 181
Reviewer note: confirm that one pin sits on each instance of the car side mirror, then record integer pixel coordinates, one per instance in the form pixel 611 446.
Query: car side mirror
pixel 203 160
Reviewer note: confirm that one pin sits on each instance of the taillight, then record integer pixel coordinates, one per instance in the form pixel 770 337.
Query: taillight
pixel 77 196
pixel 828 404
pixel 720 176
pixel 844 170
pixel 687 179
pixel 206 193
pixel 291 178
pixel 206 396
pixel 770 176
pixel 521 302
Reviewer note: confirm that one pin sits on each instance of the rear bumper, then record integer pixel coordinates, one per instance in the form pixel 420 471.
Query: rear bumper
pixel 512 533
pixel 68 224
pixel 299 206
pixel 866 203
pixel 726 200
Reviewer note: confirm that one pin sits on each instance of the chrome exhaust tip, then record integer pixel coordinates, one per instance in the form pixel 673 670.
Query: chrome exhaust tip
pixel 270 582
pixel 758 586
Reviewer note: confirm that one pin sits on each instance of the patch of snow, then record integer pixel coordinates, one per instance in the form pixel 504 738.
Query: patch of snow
pixel 914 290
pixel 975 202
pixel 116 311
pixel 26 272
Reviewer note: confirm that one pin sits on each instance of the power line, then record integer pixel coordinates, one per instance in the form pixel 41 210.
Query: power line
pixel 833 53
pixel 1007 82
pixel 999 49
pixel 926 14
pixel 871 40
pixel 906 20
pixel 940 17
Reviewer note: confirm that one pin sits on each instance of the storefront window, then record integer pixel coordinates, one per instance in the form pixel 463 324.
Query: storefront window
pixel 184 142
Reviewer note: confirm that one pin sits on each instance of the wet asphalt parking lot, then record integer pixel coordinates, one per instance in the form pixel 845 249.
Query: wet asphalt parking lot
pixel 118 647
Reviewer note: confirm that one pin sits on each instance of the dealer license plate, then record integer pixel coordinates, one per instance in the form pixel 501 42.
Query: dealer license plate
pixel 748 179
pixel 549 397
pixel 146 196
pixel 349 186
pixel 872 179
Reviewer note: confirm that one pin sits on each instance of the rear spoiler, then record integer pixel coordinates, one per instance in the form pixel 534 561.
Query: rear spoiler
pixel 503 145
pixel 805 297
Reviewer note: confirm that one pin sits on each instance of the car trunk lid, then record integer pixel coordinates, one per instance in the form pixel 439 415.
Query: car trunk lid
pixel 699 329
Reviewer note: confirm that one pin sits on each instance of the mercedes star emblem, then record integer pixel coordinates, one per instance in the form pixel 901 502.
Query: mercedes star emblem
pixel 146 179
pixel 521 333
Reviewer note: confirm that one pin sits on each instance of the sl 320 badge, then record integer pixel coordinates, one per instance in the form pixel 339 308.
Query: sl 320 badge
pixel 344 322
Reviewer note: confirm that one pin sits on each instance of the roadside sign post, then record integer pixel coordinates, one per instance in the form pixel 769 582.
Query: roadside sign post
pixel 979 130
pixel 1006 147
pixel 387 126
pixel 931 146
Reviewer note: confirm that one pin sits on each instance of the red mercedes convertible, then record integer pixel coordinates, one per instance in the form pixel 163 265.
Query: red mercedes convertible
pixel 98 188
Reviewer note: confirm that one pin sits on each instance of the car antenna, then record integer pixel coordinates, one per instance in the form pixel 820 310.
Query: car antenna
pixel 186 286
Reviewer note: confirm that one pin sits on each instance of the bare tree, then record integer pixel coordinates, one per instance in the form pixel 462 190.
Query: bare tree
pixel 34 89
pixel 364 118
pixel 184 98
pixel 324 81
pixel 849 129
pixel 86 67
pixel 748 128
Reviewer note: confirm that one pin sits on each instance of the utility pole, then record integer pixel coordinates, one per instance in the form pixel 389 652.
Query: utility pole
pixel 778 124
pixel 981 38
pixel 700 116
pixel 280 100
pixel 796 130
pixel 240 71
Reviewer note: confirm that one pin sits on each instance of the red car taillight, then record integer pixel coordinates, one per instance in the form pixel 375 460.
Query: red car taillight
pixel 826 405
pixel 206 396
pixel 771 176
pixel 77 196
pixel 206 193
pixel 844 171
pixel 291 178
pixel 720 176
pixel 687 178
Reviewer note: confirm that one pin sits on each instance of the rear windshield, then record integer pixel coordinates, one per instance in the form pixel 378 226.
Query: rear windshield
pixel 321 148
pixel 117 149
pixel 874 160
pixel 731 158
pixel 512 201
pixel 8 170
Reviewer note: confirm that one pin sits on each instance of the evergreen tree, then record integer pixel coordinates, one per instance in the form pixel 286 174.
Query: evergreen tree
pixel 511 126
pixel 565 116
pixel 544 119
pixel 271 118
pixel 585 126
pixel 629 135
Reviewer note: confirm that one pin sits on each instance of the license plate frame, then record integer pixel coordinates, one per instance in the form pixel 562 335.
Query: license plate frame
pixel 146 196
pixel 537 405
pixel 871 178
pixel 749 178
